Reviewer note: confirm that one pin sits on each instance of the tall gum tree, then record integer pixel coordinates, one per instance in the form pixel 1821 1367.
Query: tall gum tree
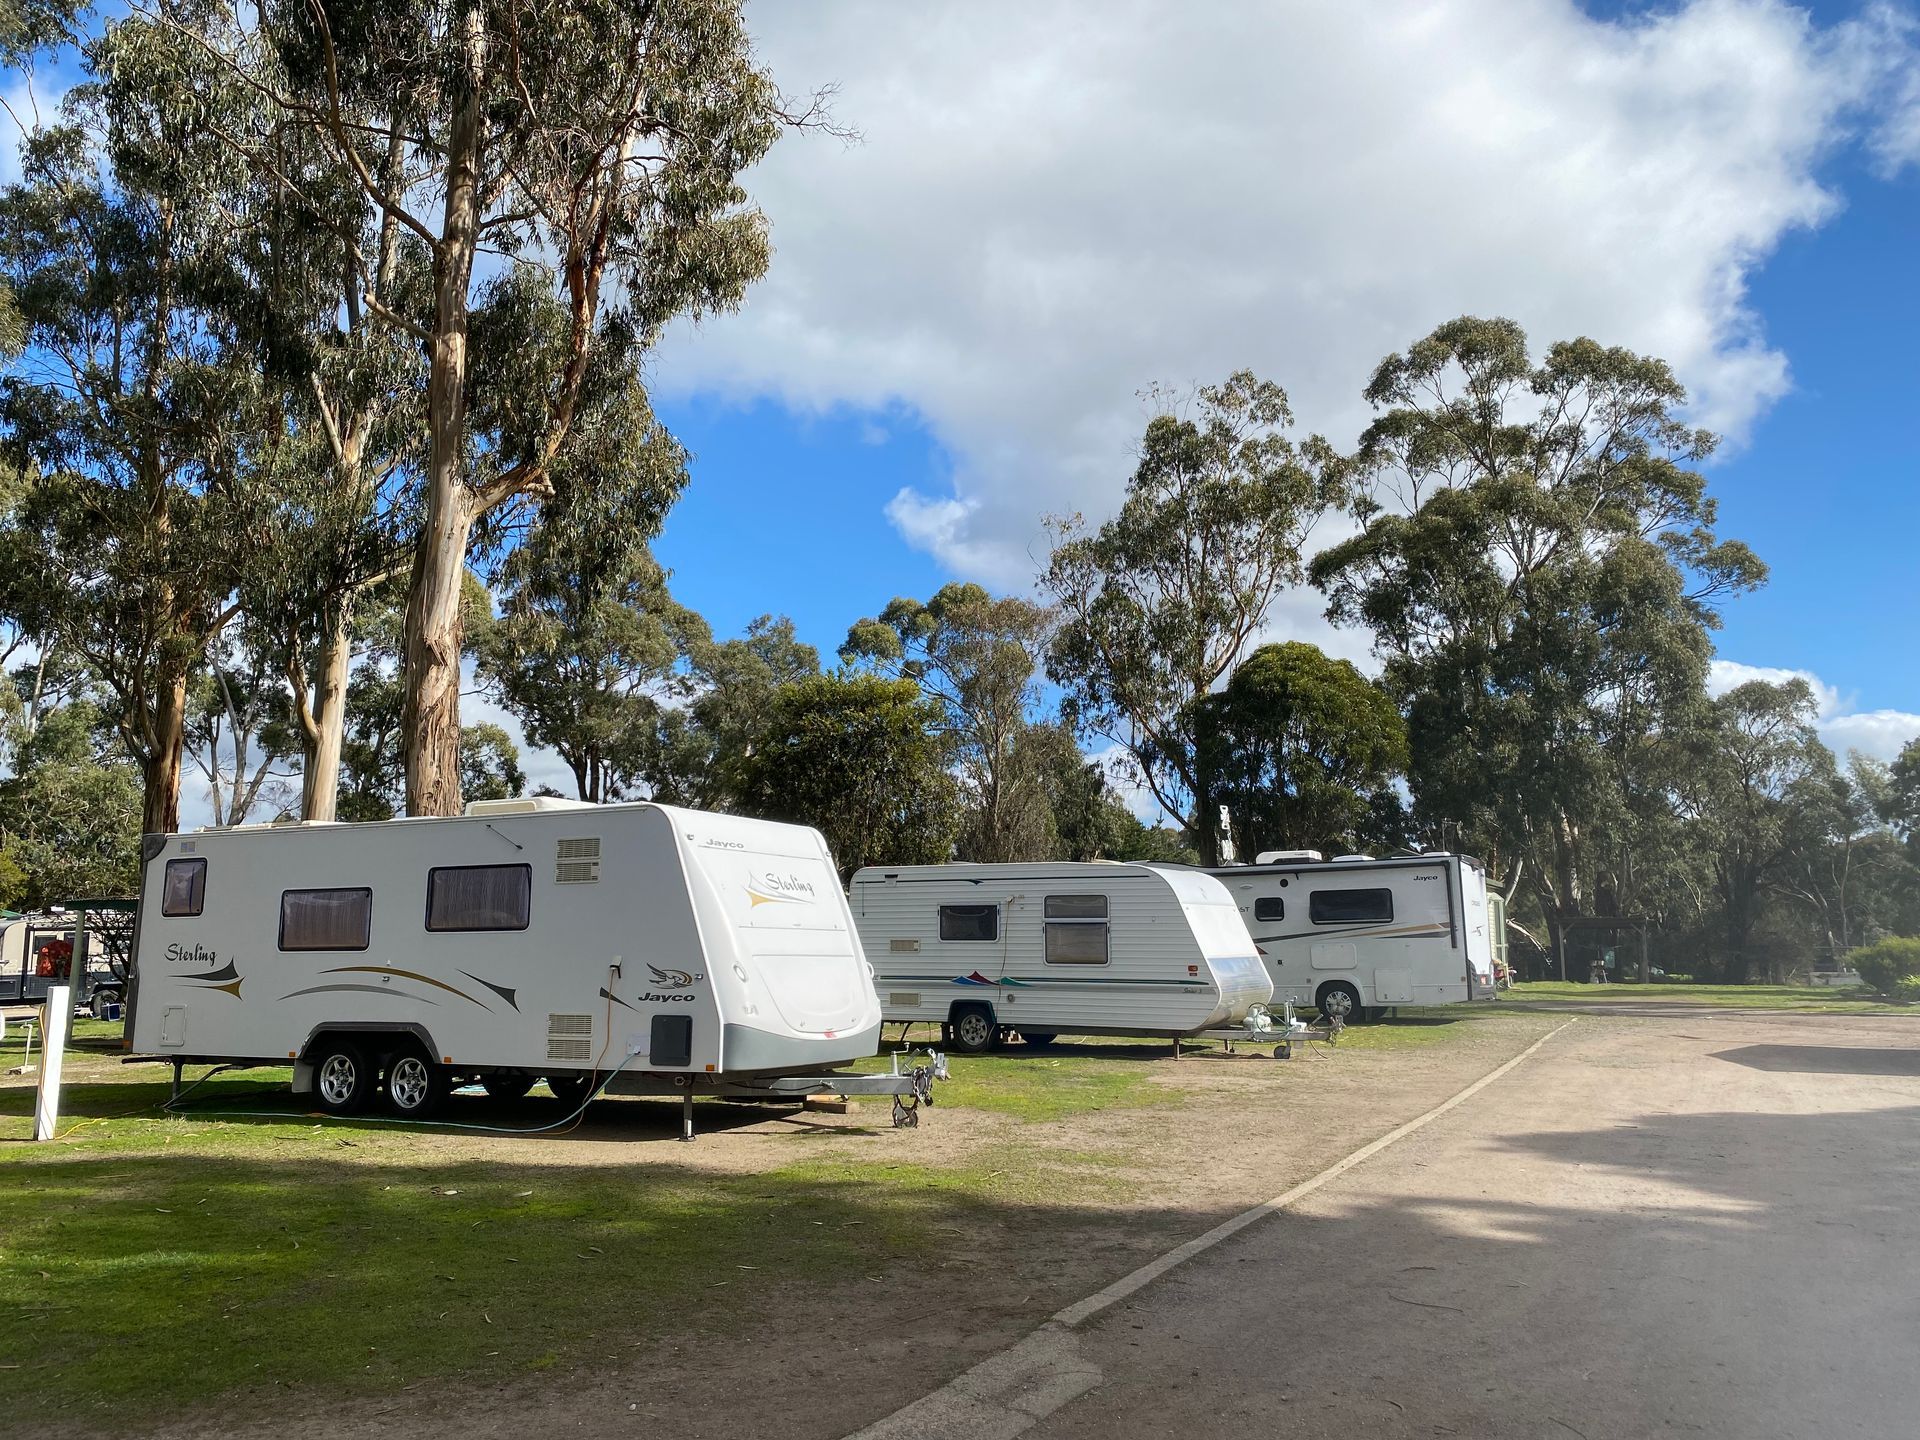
pixel 1163 599
pixel 134 408
pixel 1538 567
pixel 594 145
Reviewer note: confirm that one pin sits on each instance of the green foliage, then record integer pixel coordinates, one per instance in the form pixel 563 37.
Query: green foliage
pixel 1301 748
pixel 1538 567
pixel 862 759
pixel 584 651
pixel 1162 600
pixel 977 657
pixel 703 745
pixel 1889 965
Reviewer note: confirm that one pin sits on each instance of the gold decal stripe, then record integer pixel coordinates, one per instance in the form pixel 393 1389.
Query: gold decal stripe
pixel 404 974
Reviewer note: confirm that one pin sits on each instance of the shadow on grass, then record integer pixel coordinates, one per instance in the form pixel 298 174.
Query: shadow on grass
pixel 241 1100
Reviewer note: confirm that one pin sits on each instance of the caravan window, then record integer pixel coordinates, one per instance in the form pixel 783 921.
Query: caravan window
pixel 969 922
pixel 1351 907
pixel 1076 929
pixel 325 919
pixel 185 890
pixel 479 897
pixel 1270 907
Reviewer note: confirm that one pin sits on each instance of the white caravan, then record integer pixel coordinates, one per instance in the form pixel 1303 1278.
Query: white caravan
pixel 1355 934
pixel 1045 949
pixel 678 952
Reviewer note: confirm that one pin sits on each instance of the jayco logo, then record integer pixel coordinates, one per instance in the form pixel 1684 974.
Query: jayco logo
pixel 191 955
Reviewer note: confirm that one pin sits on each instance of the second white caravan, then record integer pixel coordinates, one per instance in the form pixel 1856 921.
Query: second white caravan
pixel 1046 949
pixel 1356 934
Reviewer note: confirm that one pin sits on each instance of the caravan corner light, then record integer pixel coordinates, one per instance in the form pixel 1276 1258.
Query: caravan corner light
pixel 1288 857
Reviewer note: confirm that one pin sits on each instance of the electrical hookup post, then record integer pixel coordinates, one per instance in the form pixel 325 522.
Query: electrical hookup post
pixel 53 1050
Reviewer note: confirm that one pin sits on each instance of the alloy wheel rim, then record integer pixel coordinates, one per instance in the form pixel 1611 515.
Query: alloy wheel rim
pixel 337 1079
pixel 407 1084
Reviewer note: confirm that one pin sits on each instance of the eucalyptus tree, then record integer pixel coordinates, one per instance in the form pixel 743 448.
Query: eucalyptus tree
pixel 135 407
pixel 1302 748
pixel 703 745
pixel 591 149
pixel 978 657
pixel 864 760
pixel 1161 601
pixel 1538 567
pixel 1761 769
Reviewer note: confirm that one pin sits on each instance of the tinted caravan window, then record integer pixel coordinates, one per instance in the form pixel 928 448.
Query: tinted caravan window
pixel 1076 929
pixel 479 897
pixel 1351 907
pixel 969 922
pixel 185 889
pixel 1269 907
pixel 325 919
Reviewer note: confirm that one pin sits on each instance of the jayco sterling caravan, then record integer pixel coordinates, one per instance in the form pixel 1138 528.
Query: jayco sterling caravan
pixel 1355 934
pixel 1041 950
pixel 673 951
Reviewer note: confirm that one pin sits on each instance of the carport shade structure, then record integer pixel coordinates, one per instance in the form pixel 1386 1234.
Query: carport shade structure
pixel 80 909
pixel 1609 925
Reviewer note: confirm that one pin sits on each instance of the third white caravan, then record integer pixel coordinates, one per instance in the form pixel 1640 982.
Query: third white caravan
pixel 1055 948
pixel 1357 934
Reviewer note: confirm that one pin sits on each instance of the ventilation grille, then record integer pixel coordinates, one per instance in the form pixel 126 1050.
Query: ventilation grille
pixel 570 1037
pixel 577 862
pixel 900 1000
pixel 903 947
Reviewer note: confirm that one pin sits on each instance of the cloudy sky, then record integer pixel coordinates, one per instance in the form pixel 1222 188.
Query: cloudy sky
pixel 1052 207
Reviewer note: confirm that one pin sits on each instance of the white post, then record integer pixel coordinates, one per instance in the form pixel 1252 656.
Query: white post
pixel 53 1049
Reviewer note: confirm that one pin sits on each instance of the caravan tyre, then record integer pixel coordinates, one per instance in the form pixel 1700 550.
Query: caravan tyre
pixel 1340 1001
pixel 973 1030
pixel 415 1085
pixel 570 1090
pixel 342 1078
pixel 502 1086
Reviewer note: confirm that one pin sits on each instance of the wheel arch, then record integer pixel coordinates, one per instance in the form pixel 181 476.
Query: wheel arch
pixel 960 1007
pixel 381 1035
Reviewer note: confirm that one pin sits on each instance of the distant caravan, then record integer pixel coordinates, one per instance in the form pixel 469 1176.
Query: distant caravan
pixel 1040 950
pixel 1353 935
pixel 634 947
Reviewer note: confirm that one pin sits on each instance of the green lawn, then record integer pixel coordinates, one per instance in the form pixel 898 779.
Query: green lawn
pixel 247 1246
pixel 1073 1076
pixel 1756 997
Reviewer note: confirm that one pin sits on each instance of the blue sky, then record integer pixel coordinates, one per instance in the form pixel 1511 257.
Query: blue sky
pixel 1046 215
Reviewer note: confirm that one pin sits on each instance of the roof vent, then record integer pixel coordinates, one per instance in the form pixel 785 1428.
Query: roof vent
pixel 1288 857
pixel 526 805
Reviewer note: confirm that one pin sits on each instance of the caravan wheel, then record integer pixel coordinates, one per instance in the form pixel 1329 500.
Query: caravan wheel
pixel 415 1085
pixel 973 1030
pixel 570 1090
pixel 1340 1001
pixel 342 1078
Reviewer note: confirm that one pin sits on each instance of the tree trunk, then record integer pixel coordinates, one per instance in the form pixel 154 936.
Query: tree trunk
pixel 431 714
pixel 160 767
pixel 320 777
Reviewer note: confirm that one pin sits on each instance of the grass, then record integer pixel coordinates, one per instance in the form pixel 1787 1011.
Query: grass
pixel 152 1264
pixel 1054 1082
pixel 1752 997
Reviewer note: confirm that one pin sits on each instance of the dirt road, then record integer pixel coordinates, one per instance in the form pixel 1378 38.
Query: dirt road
pixel 1699 1224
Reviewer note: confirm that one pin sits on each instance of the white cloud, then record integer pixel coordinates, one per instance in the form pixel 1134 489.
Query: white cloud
pixel 1056 205
pixel 1880 733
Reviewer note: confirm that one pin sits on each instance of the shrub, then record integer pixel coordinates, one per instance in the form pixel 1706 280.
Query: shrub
pixel 1886 963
